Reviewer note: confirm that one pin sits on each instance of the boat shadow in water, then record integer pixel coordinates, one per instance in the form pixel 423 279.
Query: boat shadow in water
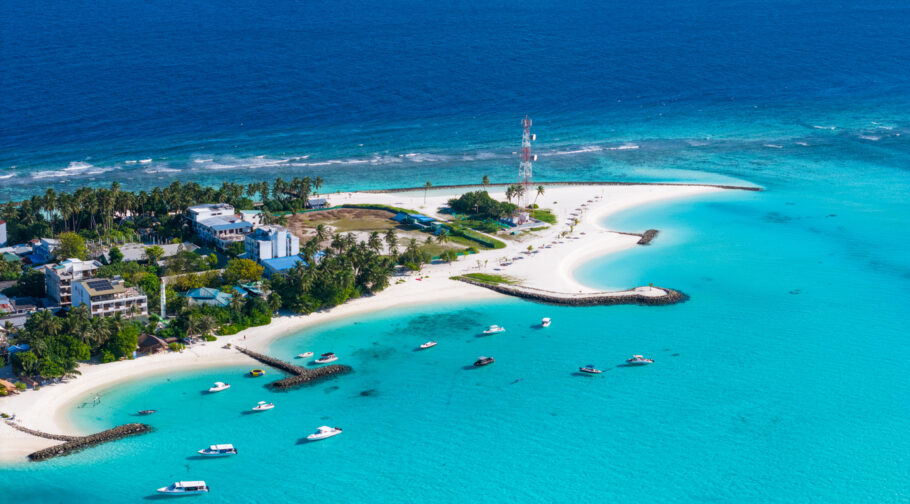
pixel 158 496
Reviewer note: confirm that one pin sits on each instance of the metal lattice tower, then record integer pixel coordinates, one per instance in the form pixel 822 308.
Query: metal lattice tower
pixel 525 171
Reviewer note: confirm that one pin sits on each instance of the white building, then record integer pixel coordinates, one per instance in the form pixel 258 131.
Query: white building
pixel 2 233
pixel 219 224
pixel 59 278
pixel 105 297
pixel 270 242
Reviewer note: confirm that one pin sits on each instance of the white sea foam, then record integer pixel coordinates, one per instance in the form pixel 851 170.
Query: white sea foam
pixel 162 170
pixel 130 161
pixel 209 160
pixel 625 147
pixel 804 144
pixel 6 176
pixel 871 138
pixel 145 161
pixel 825 127
pixel 74 169
pixel 774 146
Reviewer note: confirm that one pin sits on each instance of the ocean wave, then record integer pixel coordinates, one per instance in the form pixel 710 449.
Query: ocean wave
pixel 581 150
pixel 831 128
pixel 162 170
pixel 871 138
pixel 6 176
pixel 145 161
pixel 774 146
pixel 74 169
pixel 625 147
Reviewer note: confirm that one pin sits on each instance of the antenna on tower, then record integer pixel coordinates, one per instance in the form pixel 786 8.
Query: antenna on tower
pixel 525 168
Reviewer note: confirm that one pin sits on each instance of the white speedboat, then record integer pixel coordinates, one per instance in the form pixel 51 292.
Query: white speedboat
pixel 219 450
pixel 493 329
pixel 590 369
pixel 545 322
pixel 185 488
pixel 428 344
pixel 639 360
pixel 323 433
pixel 263 406
pixel 305 355
pixel 326 358
pixel 219 386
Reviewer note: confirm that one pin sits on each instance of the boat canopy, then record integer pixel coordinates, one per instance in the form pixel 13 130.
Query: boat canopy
pixel 218 447
pixel 184 484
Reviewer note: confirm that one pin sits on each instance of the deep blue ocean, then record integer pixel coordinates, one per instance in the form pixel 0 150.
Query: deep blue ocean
pixel 783 379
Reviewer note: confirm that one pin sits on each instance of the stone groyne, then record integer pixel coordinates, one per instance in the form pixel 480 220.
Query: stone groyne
pixel 639 296
pixel 647 236
pixel 299 375
pixel 45 435
pixel 83 442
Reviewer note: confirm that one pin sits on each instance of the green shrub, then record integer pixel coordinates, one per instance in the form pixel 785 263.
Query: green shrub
pixel 20 386
pixel 209 337
pixel 107 356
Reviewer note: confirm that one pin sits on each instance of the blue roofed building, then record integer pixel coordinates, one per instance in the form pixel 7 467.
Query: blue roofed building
pixel 208 296
pixel 419 220
pixel 281 265
pixel 217 223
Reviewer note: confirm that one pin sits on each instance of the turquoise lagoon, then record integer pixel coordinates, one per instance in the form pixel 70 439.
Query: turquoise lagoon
pixel 782 379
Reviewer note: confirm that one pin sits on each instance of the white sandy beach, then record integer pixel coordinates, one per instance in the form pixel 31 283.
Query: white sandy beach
pixel 550 269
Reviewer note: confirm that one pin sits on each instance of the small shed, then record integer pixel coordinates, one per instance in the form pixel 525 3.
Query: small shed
pixel 150 344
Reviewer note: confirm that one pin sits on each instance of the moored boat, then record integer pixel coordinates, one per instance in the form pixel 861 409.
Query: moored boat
pixel 219 386
pixel 639 360
pixel 590 369
pixel 428 344
pixel 305 355
pixel 483 361
pixel 263 406
pixel 185 488
pixel 493 329
pixel 219 450
pixel 146 411
pixel 545 322
pixel 326 358
pixel 323 433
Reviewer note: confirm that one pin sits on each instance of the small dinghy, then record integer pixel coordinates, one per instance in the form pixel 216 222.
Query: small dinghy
pixel 263 406
pixel 219 386
pixel 305 355
pixel 146 411
pixel 545 322
pixel 219 450
pixel 428 344
pixel 493 329
pixel 326 358
pixel 483 361
pixel 323 433
pixel 185 488
pixel 590 369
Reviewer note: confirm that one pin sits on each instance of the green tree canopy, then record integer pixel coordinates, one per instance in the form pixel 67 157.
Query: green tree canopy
pixel 71 245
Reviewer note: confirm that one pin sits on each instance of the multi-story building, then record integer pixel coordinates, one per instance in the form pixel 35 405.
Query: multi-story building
pixel 2 233
pixel 218 223
pixel 59 278
pixel 270 242
pixel 105 297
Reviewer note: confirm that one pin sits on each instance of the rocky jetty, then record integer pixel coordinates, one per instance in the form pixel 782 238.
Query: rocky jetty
pixel 299 375
pixel 79 443
pixel 646 296
pixel 647 236
pixel 45 435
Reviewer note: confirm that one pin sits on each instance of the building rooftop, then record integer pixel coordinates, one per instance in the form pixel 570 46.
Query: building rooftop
pixel 224 223
pixel 283 263
pixel 103 287
pixel 211 206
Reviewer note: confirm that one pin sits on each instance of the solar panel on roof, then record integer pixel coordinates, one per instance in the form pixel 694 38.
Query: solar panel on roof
pixel 100 285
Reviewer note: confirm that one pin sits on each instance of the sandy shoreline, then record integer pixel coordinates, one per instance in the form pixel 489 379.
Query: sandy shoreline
pixel 551 269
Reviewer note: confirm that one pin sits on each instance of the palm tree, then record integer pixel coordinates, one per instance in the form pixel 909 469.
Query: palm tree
pixel 486 182
pixel 539 193
pixel 510 193
pixel 425 189
pixel 375 243
pixel 317 185
pixel 443 236
pixel 391 239
pixel 321 233
pixel 206 325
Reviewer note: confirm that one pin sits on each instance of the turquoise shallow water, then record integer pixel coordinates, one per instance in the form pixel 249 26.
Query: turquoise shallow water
pixel 782 379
